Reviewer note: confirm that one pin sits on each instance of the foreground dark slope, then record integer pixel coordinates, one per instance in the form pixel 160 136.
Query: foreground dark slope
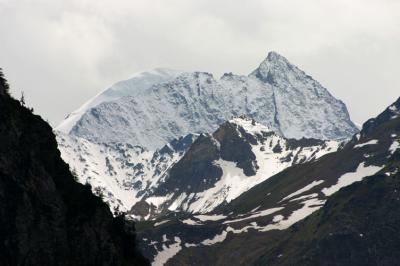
pixel 359 225
pixel 46 217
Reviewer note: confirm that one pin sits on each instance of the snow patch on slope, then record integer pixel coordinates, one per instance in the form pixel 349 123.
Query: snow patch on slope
pixel 232 184
pixel 216 239
pixel 256 215
pixel 309 206
pixel 347 179
pixel 371 142
pixel 167 252
pixel 304 189
pixel 393 148
pixel 210 217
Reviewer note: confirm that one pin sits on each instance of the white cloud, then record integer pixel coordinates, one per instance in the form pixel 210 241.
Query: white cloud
pixel 63 52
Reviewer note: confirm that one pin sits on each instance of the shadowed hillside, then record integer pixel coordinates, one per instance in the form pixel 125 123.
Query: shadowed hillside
pixel 46 217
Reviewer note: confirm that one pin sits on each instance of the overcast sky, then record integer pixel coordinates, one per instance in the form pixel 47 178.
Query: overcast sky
pixel 61 53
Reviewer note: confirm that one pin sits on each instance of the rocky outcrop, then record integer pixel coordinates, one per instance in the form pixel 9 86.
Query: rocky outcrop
pixel 195 165
pixel 236 147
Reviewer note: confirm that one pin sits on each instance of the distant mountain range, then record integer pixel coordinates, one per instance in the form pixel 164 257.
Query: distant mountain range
pixel 125 140
pixel 153 108
pixel 261 169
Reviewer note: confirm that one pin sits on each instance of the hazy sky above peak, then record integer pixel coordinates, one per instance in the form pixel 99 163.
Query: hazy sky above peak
pixel 61 53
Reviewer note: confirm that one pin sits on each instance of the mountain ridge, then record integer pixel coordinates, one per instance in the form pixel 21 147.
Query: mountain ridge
pixel 219 167
pixel 198 103
pixel 138 82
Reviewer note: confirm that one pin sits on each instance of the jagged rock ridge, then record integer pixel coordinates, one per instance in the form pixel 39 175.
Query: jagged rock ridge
pixel 277 94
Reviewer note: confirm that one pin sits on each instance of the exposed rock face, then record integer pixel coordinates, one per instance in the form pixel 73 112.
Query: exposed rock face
pixel 277 94
pixel 195 165
pixel 236 147
pixel 46 217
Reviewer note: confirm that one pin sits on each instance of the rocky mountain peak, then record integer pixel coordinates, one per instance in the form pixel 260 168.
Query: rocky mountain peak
pixel 273 66
pixel 275 59
pixel 272 55
pixel 168 104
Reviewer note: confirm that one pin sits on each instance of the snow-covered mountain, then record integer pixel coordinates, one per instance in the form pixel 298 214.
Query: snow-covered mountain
pixel 190 174
pixel 152 109
pixel 121 173
pixel 130 141
pixel 221 166
pixel 131 87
